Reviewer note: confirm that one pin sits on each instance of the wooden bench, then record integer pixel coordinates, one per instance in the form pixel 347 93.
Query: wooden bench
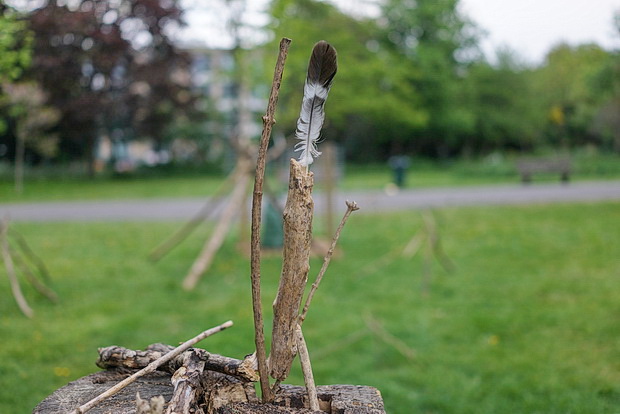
pixel 530 166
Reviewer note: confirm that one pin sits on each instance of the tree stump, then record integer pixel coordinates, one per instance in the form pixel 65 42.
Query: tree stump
pixel 223 395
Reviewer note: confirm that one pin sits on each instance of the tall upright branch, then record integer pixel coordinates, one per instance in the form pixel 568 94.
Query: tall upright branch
pixel 257 197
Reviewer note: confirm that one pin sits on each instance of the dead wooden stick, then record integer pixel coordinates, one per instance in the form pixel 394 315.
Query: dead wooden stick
pixel 10 270
pixel 28 252
pixel 202 263
pixel 306 368
pixel 351 207
pixel 257 197
pixel 119 357
pixel 187 384
pixel 298 214
pixel 150 367
pixel 204 213
pixel 30 277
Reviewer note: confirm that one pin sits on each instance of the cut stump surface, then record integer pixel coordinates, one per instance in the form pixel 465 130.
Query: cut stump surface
pixel 334 399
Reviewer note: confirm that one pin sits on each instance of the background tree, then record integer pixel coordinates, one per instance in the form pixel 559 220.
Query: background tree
pixel 509 114
pixel 25 104
pixel 373 102
pixel 567 81
pixel 439 44
pixel 110 67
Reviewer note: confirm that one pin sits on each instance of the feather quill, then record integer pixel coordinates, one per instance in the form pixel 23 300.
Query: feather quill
pixel 321 71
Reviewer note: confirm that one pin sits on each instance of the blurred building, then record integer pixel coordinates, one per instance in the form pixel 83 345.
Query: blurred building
pixel 230 106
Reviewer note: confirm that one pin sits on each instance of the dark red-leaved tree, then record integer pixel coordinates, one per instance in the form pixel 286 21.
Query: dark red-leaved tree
pixel 110 67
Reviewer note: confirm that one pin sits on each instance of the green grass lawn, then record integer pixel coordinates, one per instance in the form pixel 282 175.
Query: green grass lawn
pixel 528 322
pixel 42 186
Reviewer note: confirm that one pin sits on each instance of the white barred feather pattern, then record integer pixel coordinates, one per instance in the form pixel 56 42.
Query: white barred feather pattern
pixel 321 71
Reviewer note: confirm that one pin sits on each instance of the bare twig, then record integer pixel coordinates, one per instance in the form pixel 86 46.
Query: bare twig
pixel 306 368
pixel 351 207
pixel 10 270
pixel 268 121
pixel 150 367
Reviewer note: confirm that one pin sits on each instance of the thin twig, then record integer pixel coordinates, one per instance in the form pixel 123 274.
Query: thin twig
pixel 150 367
pixel 10 270
pixel 351 207
pixel 306 368
pixel 268 121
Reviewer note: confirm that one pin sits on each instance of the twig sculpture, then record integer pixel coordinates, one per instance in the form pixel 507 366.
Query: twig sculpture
pixel 212 384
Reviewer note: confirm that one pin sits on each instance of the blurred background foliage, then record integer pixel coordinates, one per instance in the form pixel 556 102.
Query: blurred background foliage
pixel 411 81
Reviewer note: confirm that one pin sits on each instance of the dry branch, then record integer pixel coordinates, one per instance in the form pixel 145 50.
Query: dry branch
pixel 119 357
pixel 257 197
pixel 10 270
pixel 29 253
pixel 32 279
pixel 187 384
pixel 151 367
pixel 211 247
pixel 351 207
pixel 298 214
pixel 203 214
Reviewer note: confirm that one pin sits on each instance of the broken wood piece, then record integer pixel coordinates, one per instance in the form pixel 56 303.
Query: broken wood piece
pixel 151 367
pixel 153 406
pixel 298 214
pixel 119 357
pixel 306 368
pixel 187 384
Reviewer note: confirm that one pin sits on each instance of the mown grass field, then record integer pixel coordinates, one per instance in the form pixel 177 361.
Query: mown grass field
pixel 528 322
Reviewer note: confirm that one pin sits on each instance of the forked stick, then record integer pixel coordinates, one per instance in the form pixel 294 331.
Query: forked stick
pixel 150 367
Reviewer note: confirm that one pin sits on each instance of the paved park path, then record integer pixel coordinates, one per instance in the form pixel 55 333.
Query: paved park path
pixel 369 201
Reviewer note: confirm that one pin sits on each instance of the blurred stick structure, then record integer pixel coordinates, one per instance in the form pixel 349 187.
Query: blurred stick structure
pixel 21 257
